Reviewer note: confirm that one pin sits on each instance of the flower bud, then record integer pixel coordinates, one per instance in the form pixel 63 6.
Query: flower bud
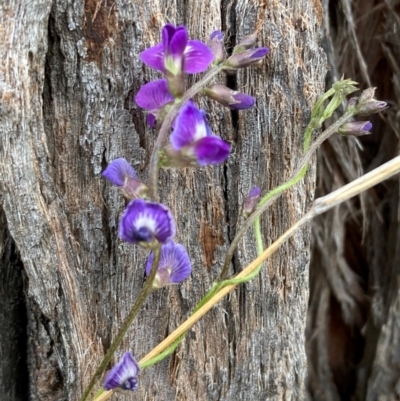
pixel 371 107
pixel 229 98
pixel 356 128
pixel 352 103
pixel 216 44
pixel 246 43
pixel 368 105
pixel 247 57
pixel 250 202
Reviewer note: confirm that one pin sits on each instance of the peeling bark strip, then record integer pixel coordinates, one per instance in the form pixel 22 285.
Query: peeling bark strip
pixel 66 68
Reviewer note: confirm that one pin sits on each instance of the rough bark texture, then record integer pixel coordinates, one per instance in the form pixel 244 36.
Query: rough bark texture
pixel 68 71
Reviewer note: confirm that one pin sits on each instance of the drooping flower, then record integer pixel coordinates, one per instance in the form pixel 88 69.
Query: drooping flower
pixel 193 140
pixel 146 224
pixel 174 266
pixel 250 202
pixel 229 97
pixel 154 96
pixel 120 173
pixel 177 53
pixel 124 374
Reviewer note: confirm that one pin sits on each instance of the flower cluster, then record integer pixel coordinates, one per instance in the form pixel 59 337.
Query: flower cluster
pixel 192 143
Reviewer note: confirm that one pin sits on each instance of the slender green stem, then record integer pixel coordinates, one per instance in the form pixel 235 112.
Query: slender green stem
pixel 166 125
pixel 275 193
pixel 128 321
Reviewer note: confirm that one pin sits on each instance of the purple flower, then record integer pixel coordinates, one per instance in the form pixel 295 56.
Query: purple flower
pixel 193 138
pixel 250 202
pixel 120 173
pixel 123 374
pixel 177 53
pixel 174 265
pixel 146 224
pixel 229 98
pixel 154 96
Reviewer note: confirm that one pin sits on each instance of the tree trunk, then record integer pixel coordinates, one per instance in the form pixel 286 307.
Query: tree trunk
pixel 69 70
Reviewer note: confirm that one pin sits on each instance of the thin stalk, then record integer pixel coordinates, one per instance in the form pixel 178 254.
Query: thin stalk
pixel 321 205
pixel 275 193
pixel 128 321
pixel 166 125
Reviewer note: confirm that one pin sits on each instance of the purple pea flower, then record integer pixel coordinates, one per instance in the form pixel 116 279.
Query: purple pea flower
pixel 154 97
pixel 193 139
pixel 229 97
pixel 146 224
pixel 123 374
pixel 177 53
pixel 174 265
pixel 120 173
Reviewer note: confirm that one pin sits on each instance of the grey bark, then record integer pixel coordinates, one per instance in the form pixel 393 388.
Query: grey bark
pixel 68 72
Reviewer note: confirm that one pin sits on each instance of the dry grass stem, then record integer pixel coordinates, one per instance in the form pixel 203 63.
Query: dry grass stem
pixel 321 205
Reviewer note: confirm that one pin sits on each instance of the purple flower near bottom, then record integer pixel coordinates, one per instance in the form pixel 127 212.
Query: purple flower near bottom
pixel 174 266
pixel 192 137
pixel 146 223
pixel 123 374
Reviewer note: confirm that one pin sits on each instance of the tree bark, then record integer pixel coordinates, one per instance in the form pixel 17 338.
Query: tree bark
pixel 69 70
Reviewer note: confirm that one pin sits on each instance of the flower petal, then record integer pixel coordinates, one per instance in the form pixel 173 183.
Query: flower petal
pixel 211 150
pixel 167 33
pixel 154 95
pixel 123 374
pixel 174 265
pixel 197 57
pixel 178 42
pixel 145 222
pixel 189 126
pixel 154 57
pixel 118 171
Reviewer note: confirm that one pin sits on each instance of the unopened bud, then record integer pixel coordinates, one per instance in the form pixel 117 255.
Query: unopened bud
pixel 216 44
pixel 352 103
pixel 356 128
pixel 250 202
pixel 246 43
pixel 368 105
pixel 246 58
pixel 371 107
pixel 229 98
pixel 366 95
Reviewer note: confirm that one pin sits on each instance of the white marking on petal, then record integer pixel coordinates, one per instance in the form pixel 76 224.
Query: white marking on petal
pixel 145 221
pixel 200 131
